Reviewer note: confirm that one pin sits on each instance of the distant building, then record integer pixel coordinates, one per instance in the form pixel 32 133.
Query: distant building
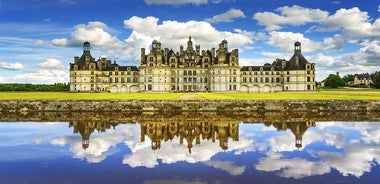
pixel 190 69
pixel 363 80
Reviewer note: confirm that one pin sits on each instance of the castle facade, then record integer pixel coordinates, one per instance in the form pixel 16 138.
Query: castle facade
pixel 190 70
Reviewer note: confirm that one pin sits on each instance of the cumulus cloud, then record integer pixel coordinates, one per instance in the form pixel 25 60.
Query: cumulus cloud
pixel 173 152
pixel 43 76
pixel 171 34
pixel 39 42
pixel 294 15
pixel 285 41
pixel 227 16
pixel 353 22
pixel 291 167
pixel 333 43
pixel 10 66
pixel 176 2
pixel 52 63
pixel 94 32
pixel 227 166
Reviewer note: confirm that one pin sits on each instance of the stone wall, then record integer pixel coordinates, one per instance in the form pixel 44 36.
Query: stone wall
pixel 188 105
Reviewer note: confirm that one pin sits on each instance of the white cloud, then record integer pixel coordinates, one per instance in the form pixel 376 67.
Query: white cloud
pixel 95 33
pixel 227 166
pixel 176 2
pixel 44 76
pixel 285 41
pixel 333 43
pixel 173 152
pixel 172 34
pixel 295 16
pixel 227 16
pixel 11 66
pixel 39 42
pixel 378 8
pixel 52 63
pixel 291 167
pixel 353 22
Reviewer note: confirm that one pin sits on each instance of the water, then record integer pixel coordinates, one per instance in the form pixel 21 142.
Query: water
pixel 189 148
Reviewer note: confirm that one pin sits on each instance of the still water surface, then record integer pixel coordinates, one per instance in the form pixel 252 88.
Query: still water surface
pixel 199 148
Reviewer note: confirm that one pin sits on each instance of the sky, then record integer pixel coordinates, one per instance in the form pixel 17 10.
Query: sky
pixel 39 38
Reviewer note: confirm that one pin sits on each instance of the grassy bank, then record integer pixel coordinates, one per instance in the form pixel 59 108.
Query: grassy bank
pixel 320 95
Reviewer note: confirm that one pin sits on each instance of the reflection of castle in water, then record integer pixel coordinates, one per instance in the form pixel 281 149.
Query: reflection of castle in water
pixel 298 129
pixel 85 129
pixel 189 130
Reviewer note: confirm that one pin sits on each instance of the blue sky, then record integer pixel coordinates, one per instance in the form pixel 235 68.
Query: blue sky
pixel 39 38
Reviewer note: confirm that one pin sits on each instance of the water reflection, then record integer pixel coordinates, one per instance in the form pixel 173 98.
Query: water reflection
pixel 195 147
pixel 188 130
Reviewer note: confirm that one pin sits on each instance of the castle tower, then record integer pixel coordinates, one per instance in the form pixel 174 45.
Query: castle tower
pixel 225 45
pixel 86 47
pixel 189 44
pixel 297 47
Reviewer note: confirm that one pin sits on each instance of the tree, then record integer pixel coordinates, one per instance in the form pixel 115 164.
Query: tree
pixel 334 81
pixel 376 80
pixel 348 78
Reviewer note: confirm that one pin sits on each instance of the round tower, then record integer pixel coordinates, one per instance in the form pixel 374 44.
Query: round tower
pixel 297 46
pixel 86 47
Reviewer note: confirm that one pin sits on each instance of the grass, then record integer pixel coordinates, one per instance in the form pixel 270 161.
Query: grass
pixel 87 96
pixel 340 94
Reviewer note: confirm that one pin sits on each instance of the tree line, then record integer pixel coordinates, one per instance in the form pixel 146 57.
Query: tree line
pixel 335 81
pixel 35 87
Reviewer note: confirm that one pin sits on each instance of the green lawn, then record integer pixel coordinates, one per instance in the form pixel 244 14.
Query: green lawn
pixel 87 96
pixel 318 95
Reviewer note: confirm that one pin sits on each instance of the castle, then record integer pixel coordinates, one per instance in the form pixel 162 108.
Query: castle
pixel 190 70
